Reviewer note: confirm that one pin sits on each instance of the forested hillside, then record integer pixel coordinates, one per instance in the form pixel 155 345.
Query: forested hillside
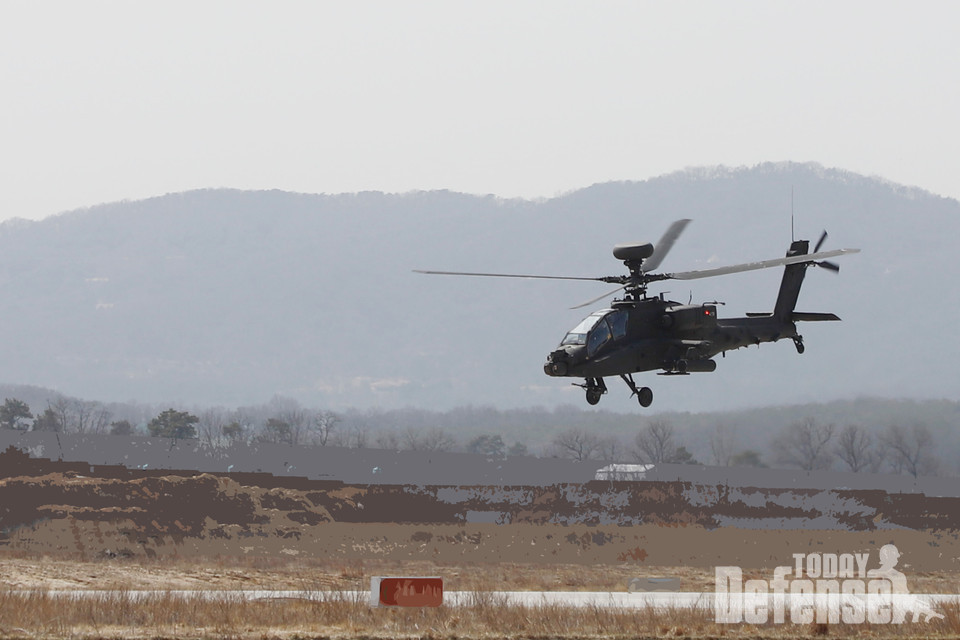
pixel 229 297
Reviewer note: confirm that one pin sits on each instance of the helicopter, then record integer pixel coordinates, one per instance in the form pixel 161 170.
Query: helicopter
pixel 639 333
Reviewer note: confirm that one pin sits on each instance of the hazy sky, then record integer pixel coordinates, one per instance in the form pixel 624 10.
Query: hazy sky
pixel 103 101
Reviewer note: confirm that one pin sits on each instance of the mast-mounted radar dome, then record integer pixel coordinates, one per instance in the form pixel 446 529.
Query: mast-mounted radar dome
pixel 634 251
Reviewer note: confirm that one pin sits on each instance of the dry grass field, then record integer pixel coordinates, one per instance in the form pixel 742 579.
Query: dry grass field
pixel 27 610
pixel 126 532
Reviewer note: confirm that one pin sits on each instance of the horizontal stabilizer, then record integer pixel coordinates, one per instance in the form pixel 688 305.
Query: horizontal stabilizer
pixel 800 316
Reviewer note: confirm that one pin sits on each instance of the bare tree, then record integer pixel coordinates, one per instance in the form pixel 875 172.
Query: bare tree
pixel 61 407
pixel 911 450
pixel 210 427
pixel 242 426
pixel 610 448
pixel 855 448
pixel 287 423
pixel 655 443
pixel 411 439
pixel 79 416
pixel 324 424
pixel 100 418
pixel 723 445
pixel 298 421
pixel 358 437
pixel 387 439
pixel 805 444
pixel 576 444
pixel 434 439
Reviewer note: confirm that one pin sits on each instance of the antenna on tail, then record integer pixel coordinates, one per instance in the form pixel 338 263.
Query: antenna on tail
pixel 792 236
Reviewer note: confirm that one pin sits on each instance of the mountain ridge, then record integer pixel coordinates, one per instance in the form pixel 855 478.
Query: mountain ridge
pixel 227 297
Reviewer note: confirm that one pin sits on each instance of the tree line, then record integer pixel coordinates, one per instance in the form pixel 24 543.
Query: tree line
pixel 809 443
pixel 806 444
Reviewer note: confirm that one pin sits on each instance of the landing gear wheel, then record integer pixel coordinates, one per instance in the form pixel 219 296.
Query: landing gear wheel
pixel 798 343
pixel 593 395
pixel 595 388
pixel 645 396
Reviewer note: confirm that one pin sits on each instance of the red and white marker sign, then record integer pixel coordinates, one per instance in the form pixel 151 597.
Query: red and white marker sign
pixel 403 591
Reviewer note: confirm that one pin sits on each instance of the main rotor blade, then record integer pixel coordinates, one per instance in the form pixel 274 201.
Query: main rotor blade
pixel 599 298
pixel 751 266
pixel 503 275
pixel 662 248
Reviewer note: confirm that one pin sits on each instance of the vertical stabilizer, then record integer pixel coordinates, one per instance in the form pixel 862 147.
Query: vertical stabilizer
pixel 791 283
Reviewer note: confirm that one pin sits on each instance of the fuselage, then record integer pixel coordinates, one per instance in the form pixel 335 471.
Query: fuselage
pixel 657 334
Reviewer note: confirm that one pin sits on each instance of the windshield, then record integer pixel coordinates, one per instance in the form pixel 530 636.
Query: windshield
pixel 578 335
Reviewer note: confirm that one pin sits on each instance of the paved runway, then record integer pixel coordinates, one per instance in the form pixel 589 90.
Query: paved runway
pixel 603 599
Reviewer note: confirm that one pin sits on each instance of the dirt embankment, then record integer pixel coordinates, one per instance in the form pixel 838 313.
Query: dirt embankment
pixel 48 507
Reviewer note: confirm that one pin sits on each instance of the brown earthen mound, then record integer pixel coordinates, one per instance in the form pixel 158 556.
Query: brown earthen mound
pixel 50 506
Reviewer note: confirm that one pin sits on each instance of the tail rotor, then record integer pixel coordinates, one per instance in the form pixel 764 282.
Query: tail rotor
pixel 826 264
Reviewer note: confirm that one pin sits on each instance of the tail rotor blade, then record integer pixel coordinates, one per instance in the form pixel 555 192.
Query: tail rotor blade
pixel 831 266
pixel 820 242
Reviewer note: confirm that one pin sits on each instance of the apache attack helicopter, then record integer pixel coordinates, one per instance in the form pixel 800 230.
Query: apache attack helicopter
pixel 642 333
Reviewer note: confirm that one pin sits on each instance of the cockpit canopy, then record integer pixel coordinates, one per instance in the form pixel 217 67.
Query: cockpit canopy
pixel 597 329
